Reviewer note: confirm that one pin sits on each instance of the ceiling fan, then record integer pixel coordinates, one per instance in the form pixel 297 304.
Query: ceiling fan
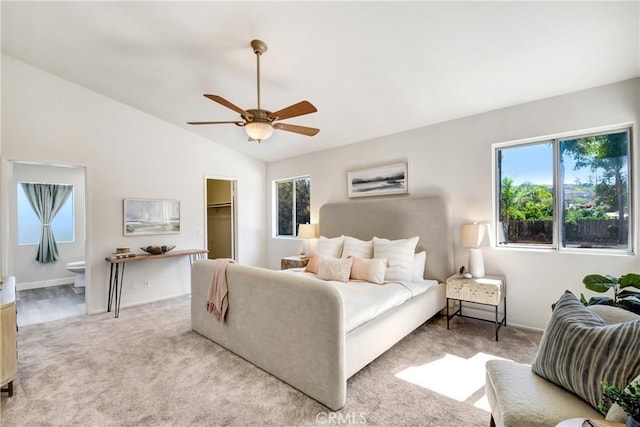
pixel 259 123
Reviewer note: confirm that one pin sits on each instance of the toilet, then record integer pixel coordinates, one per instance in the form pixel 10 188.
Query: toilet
pixel 77 267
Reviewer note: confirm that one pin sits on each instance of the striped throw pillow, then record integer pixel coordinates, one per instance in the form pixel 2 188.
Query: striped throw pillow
pixel 357 248
pixel 579 350
pixel 399 253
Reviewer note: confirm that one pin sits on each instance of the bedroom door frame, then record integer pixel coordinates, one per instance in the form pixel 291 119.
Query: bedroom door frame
pixel 8 232
pixel 234 213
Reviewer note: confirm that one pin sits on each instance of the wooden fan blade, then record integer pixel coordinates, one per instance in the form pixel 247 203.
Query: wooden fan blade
pixel 297 129
pixel 220 100
pixel 215 123
pixel 295 110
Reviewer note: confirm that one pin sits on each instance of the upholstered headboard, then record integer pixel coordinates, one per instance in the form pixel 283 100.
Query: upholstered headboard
pixel 428 217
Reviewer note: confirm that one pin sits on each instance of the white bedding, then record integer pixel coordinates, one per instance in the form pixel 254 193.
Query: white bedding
pixel 364 301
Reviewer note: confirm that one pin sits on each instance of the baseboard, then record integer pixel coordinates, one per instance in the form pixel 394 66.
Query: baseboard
pixel 104 310
pixel 44 283
pixel 487 313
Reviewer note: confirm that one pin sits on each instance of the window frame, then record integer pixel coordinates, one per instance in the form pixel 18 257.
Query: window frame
pixel 274 192
pixel 558 193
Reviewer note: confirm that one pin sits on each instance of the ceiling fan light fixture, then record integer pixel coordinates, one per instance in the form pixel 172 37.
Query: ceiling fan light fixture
pixel 258 130
pixel 259 123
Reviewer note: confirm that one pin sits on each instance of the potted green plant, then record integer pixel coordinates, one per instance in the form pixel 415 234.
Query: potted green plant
pixel 626 291
pixel 628 399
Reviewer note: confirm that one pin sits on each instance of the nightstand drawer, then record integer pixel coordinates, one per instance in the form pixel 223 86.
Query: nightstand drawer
pixel 481 290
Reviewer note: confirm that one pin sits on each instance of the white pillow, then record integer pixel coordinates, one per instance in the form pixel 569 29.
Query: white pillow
pixel 357 248
pixel 419 261
pixel 399 253
pixel 331 248
pixel 335 269
pixel 371 270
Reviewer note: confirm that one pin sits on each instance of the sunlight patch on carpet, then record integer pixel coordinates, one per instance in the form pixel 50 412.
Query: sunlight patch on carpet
pixel 483 403
pixel 452 376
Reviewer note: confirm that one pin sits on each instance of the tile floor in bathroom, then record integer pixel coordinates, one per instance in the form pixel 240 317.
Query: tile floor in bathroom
pixel 51 303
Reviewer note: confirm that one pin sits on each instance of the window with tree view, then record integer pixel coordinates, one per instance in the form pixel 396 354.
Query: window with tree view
pixel 293 205
pixel 569 192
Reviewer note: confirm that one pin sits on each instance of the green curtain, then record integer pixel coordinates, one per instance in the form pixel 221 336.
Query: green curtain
pixel 46 200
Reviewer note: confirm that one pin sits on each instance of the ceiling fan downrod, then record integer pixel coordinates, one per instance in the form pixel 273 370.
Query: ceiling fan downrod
pixel 259 47
pixel 259 124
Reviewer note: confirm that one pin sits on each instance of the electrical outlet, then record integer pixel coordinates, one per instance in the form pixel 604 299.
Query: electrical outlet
pixel 145 284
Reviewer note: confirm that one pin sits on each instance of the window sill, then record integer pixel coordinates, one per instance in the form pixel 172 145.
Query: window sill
pixel 286 238
pixel 567 251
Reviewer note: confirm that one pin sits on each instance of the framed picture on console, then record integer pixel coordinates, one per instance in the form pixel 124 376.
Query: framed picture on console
pixel 379 181
pixel 151 216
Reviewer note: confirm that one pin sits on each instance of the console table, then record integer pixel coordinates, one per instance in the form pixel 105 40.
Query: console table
pixel 116 272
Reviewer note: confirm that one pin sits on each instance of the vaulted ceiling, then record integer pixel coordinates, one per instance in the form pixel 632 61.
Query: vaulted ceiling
pixel 371 68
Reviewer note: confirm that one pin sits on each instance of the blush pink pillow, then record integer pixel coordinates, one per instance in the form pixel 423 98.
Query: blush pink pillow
pixel 312 265
pixel 371 270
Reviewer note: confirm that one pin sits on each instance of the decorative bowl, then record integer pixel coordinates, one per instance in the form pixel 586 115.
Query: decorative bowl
pixel 157 250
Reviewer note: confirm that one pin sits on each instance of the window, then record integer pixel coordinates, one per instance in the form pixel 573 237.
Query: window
pixel 29 225
pixel 293 205
pixel 571 192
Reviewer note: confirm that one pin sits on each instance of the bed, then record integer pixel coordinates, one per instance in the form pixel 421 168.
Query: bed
pixel 295 326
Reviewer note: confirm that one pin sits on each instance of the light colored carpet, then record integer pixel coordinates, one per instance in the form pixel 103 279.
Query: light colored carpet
pixel 149 368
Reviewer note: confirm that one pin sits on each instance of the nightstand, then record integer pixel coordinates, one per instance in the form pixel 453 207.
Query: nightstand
pixel 489 290
pixel 293 262
pixel 8 337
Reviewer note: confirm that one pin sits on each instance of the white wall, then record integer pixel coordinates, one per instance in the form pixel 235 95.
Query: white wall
pixel 455 158
pixel 127 154
pixel 28 272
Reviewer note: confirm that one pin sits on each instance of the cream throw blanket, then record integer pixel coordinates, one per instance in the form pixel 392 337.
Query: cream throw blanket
pixel 217 301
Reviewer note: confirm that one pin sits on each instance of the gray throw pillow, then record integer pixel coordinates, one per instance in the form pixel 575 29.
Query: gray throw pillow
pixel 579 350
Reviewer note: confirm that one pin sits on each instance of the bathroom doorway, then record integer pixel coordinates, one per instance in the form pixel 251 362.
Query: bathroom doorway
pixel 55 289
pixel 221 218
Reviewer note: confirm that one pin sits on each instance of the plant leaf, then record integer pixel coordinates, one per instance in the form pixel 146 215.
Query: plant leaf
pixel 601 301
pixel 598 283
pixel 630 305
pixel 583 300
pixel 628 294
pixel 630 279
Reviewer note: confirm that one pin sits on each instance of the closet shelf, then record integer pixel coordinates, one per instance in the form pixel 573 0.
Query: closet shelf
pixel 219 205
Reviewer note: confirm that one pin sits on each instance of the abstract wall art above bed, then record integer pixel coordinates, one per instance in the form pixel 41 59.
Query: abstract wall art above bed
pixel 379 181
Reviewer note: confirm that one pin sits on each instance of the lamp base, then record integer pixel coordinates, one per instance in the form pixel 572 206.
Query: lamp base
pixel 476 262
pixel 305 249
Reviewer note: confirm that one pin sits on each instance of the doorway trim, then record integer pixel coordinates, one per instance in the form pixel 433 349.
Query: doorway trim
pixel 7 267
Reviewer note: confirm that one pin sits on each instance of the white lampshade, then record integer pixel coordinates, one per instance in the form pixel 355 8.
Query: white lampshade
pixel 258 130
pixel 308 231
pixel 472 235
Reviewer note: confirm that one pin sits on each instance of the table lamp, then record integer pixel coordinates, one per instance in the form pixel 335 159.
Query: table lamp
pixel 472 236
pixel 306 232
